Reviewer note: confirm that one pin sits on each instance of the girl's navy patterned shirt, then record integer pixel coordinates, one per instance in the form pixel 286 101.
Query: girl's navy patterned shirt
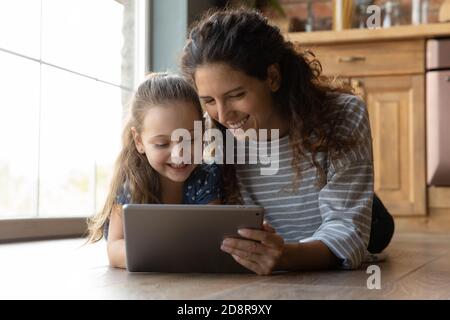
pixel 203 186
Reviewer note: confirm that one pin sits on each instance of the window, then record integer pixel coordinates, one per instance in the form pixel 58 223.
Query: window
pixel 68 69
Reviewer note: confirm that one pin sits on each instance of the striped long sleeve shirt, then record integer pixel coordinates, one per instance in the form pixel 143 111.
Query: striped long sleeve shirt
pixel 337 213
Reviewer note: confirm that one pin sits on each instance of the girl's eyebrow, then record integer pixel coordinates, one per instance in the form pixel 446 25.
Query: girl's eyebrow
pixel 228 92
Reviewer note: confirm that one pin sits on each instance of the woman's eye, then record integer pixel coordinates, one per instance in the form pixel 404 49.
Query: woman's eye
pixel 161 145
pixel 239 95
pixel 208 102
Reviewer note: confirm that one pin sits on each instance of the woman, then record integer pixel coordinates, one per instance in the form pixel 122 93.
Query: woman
pixel 319 206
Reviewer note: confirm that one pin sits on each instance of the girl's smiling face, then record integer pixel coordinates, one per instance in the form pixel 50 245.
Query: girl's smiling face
pixel 239 101
pixel 155 138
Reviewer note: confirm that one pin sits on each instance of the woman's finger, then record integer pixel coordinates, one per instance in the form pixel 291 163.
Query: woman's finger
pixel 258 235
pixel 259 263
pixel 252 250
pixel 245 245
pixel 267 238
pixel 247 255
pixel 268 227
pixel 250 265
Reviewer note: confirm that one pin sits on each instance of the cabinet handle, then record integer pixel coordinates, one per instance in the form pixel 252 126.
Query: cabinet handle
pixel 351 59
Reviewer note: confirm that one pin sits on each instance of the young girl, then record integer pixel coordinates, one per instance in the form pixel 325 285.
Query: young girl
pixel 145 171
pixel 321 201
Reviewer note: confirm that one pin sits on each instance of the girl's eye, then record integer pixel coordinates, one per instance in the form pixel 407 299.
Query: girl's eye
pixel 161 145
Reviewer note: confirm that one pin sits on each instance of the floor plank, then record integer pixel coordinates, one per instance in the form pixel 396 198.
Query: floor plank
pixel 431 281
pixel 417 267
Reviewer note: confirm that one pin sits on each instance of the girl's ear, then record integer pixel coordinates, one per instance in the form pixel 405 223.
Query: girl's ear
pixel 274 77
pixel 137 140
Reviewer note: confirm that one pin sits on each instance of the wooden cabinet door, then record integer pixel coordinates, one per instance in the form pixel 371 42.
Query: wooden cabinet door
pixel 397 118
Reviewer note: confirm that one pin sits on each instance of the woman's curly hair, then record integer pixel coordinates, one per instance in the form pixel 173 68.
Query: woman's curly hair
pixel 244 39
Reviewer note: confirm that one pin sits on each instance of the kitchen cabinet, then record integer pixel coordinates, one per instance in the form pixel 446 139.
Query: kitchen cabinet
pixel 389 76
pixel 397 119
pixel 387 66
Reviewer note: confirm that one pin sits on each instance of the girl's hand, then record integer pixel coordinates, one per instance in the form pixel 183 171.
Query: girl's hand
pixel 260 253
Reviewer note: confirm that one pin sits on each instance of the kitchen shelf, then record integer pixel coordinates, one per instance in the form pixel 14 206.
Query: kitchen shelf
pixel 433 30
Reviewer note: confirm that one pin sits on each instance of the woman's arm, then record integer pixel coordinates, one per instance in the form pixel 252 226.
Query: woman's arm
pixel 116 241
pixel 345 205
pixel 314 255
pixel 265 251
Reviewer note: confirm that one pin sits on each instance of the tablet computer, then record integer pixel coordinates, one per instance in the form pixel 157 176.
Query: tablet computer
pixel 184 238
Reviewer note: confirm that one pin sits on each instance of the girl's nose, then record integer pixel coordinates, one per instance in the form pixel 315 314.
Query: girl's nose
pixel 176 153
pixel 181 153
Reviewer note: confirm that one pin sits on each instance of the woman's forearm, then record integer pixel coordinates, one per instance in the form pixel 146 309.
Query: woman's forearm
pixel 312 255
pixel 116 253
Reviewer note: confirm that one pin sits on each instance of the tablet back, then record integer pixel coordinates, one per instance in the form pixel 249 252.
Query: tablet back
pixel 184 238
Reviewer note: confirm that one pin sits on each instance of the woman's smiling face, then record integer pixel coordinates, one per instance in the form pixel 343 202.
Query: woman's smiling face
pixel 236 100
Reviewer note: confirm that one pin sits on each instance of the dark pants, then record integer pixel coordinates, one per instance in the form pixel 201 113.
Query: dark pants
pixel 382 227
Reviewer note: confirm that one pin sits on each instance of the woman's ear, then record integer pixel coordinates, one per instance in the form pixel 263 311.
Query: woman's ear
pixel 137 140
pixel 274 77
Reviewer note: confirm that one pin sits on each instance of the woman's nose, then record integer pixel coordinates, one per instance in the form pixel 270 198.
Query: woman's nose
pixel 222 112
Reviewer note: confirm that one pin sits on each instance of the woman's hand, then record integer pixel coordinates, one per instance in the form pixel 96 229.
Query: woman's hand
pixel 260 253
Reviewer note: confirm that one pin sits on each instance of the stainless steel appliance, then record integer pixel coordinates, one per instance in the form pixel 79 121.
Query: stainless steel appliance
pixel 438 111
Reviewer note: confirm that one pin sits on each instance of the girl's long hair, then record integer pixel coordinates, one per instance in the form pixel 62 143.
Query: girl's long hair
pixel 243 39
pixel 132 168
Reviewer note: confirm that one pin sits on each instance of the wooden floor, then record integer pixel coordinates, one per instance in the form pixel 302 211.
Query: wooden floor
pixel 417 267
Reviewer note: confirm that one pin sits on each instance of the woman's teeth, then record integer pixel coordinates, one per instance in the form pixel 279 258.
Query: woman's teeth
pixel 237 125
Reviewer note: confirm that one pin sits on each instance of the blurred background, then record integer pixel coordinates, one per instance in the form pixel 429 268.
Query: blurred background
pixel 317 15
pixel 69 68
